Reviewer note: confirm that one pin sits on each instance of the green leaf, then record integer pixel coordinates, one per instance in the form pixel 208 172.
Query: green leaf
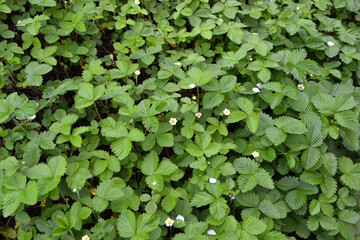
pixel 351 173
pixel 34 72
pixel 195 229
pixel 48 175
pixel 212 99
pixel 290 125
pixel 201 199
pixel 126 224
pixel 253 225
pixel 275 135
pixel 166 168
pixel 269 209
pixel 252 122
pixel 218 208
pixel 310 157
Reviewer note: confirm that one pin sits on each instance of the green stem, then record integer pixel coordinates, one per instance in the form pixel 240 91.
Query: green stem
pixel 197 90
pixel 97 112
pixel 17 123
pixel 62 195
pixel 72 234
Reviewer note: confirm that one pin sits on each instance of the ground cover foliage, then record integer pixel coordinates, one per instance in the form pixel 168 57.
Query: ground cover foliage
pixel 193 119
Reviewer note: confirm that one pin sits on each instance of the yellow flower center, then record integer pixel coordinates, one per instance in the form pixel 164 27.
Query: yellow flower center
pixel 86 238
pixel 169 222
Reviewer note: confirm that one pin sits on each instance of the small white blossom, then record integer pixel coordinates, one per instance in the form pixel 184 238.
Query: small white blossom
pixel 169 222
pixel 211 232
pixel 255 154
pixel 212 180
pixel 251 59
pixel 180 217
pixel 22 162
pixel 330 44
pixel 153 183
pixel 338 62
pixel 86 237
pixel 137 2
pixel 232 197
pixel 177 64
pixel 311 74
pixel 300 87
pixel 259 85
pixel 18 22
pixel 193 97
pixel 137 72
pixel 297 8
pixel 226 111
pixel 192 85
pixel 287 73
pixel 32 117
pixel 198 114
pixel 255 90
pixel 173 121
pixel 230 66
pixel 254 33
pixel 74 190
pixel 222 1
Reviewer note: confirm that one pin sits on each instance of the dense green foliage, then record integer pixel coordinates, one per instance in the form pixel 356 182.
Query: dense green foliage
pixel 190 119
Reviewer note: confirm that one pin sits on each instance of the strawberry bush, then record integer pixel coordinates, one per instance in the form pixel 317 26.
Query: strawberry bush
pixel 184 120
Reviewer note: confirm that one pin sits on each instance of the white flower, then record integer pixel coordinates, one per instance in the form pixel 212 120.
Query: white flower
pixel 169 222
pixel 297 8
pixel 300 87
pixel 192 85
pixel 287 73
pixel 137 2
pixel 74 190
pixel 212 180
pixel 259 85
pixel 222 1
pixel 32 117
pixel 226 111
pixel 256 90
pixel 180 217
pixel 153 183
pixel 22 162
pixel 230 66
pixel 18 22
pixel 211 232
pixel 193 97
pixel 232 197
pixel 338 62
pixel 250 59
pixel 86 237
pixel 330 44
pixel 173 121
pixel 198 114
pixel 255 33
pixel 255 154
pixel 177 64
pixel 311 74
pixel 137 72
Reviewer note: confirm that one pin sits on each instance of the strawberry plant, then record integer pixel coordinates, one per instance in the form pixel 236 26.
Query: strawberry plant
pixel 184 120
